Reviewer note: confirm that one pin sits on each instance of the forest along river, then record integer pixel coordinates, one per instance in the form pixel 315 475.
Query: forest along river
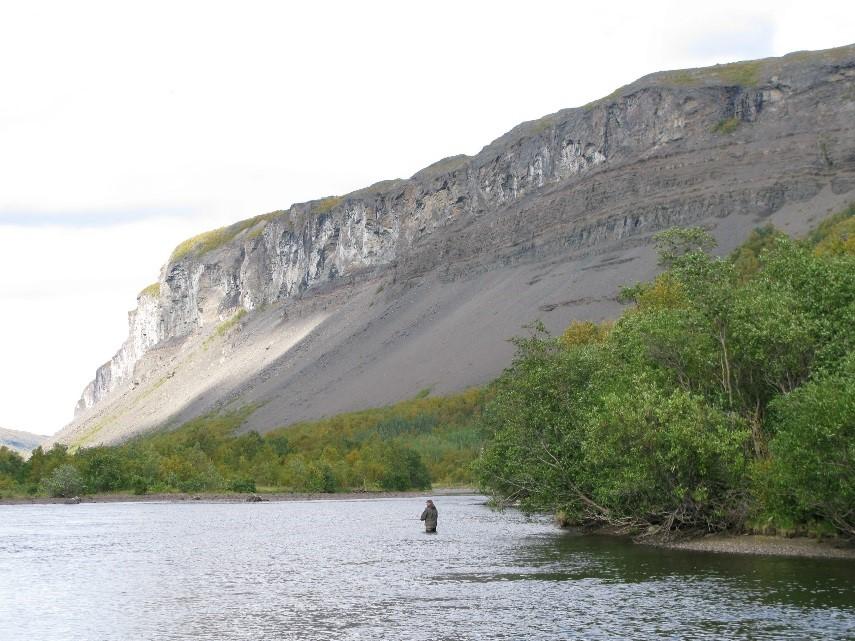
pixel 364 569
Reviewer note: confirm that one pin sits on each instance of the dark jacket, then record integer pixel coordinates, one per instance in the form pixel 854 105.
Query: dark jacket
pixel 430 516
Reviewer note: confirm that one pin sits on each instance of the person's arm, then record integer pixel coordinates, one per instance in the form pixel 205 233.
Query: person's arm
pixel 424 515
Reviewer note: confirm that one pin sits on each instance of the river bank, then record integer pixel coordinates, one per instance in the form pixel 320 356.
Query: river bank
pixel 365 569
pixel 179 497
pixel 758 544
pixel 735 543
pixel 720 543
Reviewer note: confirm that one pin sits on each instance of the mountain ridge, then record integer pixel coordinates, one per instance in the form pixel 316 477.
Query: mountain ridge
pixel 20 441
pixel 727 146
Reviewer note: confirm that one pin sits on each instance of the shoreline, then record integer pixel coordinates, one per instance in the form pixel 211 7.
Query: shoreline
pixel 248 497
pixel 719 543
pixel 763 545
pixel 736 543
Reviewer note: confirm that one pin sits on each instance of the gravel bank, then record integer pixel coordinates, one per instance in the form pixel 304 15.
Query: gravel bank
pixel 764 545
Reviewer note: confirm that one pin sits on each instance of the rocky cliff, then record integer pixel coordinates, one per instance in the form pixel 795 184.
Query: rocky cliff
pixel 363 299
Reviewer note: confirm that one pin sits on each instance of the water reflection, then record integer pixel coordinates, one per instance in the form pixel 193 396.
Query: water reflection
pixel 807 582
pixel 365 570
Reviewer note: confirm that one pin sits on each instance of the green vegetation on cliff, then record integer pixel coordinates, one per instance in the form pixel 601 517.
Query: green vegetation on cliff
pixel 214 239
pixel 722 398
pixel 152 291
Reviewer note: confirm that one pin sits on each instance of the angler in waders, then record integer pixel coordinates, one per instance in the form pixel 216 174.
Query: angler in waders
pixel 430 516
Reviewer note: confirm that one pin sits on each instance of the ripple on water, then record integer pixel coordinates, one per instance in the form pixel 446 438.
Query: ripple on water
pixel 365 570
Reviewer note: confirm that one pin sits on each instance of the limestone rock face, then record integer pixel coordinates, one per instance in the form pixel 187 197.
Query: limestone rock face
pixel 729 147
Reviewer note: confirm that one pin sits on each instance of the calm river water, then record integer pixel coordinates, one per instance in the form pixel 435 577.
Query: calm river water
pixel 365 570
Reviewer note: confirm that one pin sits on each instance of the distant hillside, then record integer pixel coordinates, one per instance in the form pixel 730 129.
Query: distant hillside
pixel 361 300
pixel 23 442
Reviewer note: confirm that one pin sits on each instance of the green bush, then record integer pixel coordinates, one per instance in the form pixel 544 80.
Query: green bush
pixel 101 468
pixel 65 481
pixel 667 458
pixel 403 469
pixel 811 474
pixel 139 485
pixel 723 394
pixel 320 477
pixel 241 485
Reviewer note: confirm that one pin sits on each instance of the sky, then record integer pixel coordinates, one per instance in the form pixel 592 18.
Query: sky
pixel 126 127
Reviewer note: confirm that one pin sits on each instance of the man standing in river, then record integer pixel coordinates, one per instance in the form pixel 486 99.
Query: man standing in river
pixel 430 516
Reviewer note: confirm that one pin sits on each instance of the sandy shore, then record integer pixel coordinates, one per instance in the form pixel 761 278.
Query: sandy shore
pixel 764 545
pixel 179 497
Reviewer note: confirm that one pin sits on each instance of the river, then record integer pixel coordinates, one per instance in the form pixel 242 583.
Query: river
pixel 364 569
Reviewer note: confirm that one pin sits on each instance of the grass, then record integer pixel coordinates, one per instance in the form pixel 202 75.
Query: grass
pixel 255 232
pixel 224 327
pixel 727 126
pixel 681 78
pixel 823 234
pixel 746 74
pixel 210 240
pixel 85 438
pixel 611 97
pixel 444 166
pixel 379 187
pixel 739 73
pixel 542 124
pixel 152 291
pixel 327 204
pixel 153 388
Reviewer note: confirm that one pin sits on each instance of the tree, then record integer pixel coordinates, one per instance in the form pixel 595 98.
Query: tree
pixel 812 471
pixel 11 464
pixel 101 469
pixel 64 481
pixel 403 469
pixel 679 241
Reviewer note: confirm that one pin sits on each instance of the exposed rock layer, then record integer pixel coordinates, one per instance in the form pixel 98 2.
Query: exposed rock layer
pixel 545 222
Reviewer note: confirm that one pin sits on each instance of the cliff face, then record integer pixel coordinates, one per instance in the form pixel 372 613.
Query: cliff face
pixel 730 147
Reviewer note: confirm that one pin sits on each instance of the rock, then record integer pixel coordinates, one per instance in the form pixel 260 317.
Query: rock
pixel 552 217
pixel 254 498
pixel 74 500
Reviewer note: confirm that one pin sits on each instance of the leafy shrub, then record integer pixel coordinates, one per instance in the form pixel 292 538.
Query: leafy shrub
pixel 320 477
pixel 725 392
pixel 65 481
pixel 101 468
pixel 139 485
pixel 241 485
pixel 811 473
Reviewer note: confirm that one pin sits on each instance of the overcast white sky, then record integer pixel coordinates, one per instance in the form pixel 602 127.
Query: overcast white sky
pixel 126 127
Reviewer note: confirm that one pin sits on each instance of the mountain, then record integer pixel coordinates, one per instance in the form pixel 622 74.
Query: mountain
pixel 365 299
pixel 21 442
